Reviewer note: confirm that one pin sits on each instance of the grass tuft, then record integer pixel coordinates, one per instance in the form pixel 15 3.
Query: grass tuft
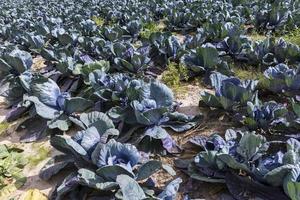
pixel 247 74
pixel 98 20
pixel 251 73
pixel 3 127
pixel 257 37
pixel 42 153
pixel 293 37
pixel 150 28
pixel 174 75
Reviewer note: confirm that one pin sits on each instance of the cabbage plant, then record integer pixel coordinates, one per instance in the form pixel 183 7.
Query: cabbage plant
pixel 163 47
pixel 271 52
pixel 104 169
pixel 282 79
pixel 247 163
pixel 230 92
pixel 267 116
pixel 149 109
pixel 15 75
pixel 201 59
pixel 51 108
pixel 142 110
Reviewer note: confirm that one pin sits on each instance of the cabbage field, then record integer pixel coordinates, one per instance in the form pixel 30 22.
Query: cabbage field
pixel 149 99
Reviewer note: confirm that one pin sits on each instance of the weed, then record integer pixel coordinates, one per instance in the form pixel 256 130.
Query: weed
pixel 257 37
pixel 98 20
pixel 247 73
pixel 42 153
pixel 293 37
pixel 3 127
pixel 150 28
pixel 174 74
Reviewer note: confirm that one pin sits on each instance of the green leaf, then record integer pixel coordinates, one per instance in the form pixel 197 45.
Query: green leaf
pixel 69 146
pixel 62 123
pixel 3 151
pixel 198 177
pixel 292 176
pixel 169 169
pixel 194 173
pixel 277 175
pixel 42 110
pixel 147 169
pixel 208 55
pixel 251 146
pixel 161 94
pixel 97 119
pixel 90 179
pixel 226 103
pixel 296 108
pixel 77 105
pixel 130 188
pixel 293 190
pixel 210 100
pixel 46 90
pixel 110 173
pixel 4 67
pixel 232 163
pixel 55 165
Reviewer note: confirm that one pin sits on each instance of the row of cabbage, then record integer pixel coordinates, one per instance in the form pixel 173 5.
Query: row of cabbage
pixel 137 115
pixel 180 15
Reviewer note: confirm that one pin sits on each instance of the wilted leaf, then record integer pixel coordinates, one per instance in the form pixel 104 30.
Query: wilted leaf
pixel 33 194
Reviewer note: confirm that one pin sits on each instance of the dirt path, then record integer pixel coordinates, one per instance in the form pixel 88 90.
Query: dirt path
pixel 11 137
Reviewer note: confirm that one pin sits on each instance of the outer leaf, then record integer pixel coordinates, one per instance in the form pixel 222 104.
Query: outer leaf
pixel 147 169
pixel 293 176
pixel 46 90
pixel 70 183
pixel 156 132
pixel 90 138
pixel 62 123
pixel 35 129
pixel 90 179
pixel 243 188
pixel 251 145
pixel 169 169
pixel 277 175
pixel 55 165
pixel 42 110
pixel 110 173
pixel 130 188
pixel 170 192
pixel 161 94
pixel 293 189
pixel 19 60
pixel 210 100
pixel 77 104
pixel 232 163
pixel 68 146
pixel 97 119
